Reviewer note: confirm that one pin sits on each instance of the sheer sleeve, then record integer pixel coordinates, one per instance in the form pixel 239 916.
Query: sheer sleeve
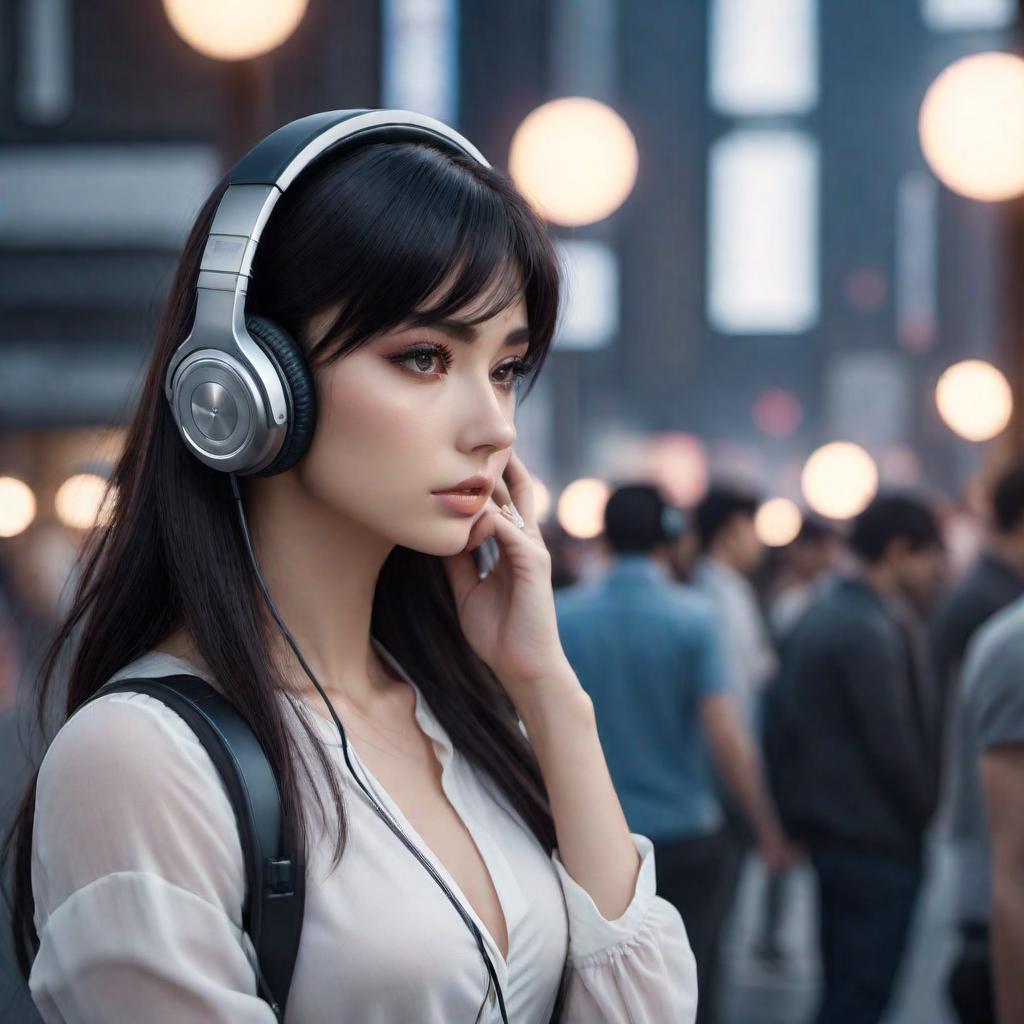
pixel 137 876
pixel 638 967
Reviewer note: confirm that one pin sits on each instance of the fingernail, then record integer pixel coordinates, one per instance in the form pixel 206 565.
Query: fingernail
pixel 493 554
pixel 485 560
pixel 512 514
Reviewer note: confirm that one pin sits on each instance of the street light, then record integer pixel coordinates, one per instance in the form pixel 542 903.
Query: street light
pixel 581 508
pixel 239 33
pixel 84 501
pixel 574 159
pixel 840 480
pixel 972 126
pixel 17 506
pixel 974 399
pixel 541 500
pixel 778 522
pixel 234 29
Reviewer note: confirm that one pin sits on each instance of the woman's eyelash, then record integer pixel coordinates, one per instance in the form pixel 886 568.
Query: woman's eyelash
pixel 442 352
pixel 518 368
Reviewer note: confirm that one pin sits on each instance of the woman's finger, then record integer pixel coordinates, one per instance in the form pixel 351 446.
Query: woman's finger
pixel 519 485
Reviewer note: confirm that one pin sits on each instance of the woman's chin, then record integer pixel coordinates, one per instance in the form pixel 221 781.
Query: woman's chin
pixel 442 543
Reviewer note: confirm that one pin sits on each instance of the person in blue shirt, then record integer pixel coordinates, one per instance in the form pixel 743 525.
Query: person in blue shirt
pixel 646 649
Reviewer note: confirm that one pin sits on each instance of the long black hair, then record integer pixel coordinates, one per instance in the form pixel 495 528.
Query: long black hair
pixel 376 231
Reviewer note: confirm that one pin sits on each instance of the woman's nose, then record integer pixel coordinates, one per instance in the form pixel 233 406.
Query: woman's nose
pixel 489 420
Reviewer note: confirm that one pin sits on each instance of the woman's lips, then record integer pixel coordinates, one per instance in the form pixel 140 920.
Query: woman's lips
pixel 464 504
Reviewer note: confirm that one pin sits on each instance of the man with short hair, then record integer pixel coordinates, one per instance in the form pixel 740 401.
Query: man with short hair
pixel 731 553
pixel 645 649
pixel 853 775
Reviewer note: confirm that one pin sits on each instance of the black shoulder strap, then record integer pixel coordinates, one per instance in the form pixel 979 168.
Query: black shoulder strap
pixel 274 862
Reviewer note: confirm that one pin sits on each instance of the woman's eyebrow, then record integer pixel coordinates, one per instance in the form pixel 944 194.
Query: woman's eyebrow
pixel 464 332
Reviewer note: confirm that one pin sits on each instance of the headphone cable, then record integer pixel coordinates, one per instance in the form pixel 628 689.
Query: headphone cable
pixel 381 813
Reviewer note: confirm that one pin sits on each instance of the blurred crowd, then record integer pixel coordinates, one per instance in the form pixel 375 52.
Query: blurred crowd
pixel 823 706
pixel 832 704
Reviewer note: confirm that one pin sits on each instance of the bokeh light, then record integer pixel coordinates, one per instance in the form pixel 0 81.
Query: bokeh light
pixel 234 29
pixel 17 506
pixel 865 289
pixel 743 464
pixel 971 126
pixel 680 467
pixel 581 507
pixel 839 480
pixel 777 412
pixel 541 500
pixel 778 522
pixel 81 503
pixel 974 399
pixel 574 159
pixel 900 465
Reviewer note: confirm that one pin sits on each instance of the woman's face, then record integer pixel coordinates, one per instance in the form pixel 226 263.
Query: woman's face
pixel 395 424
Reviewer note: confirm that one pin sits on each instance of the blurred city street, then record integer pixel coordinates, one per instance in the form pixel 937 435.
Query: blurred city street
pixel 786 994
pixel 718 303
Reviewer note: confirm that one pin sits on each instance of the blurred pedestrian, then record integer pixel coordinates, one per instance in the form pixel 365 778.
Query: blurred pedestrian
pixel 987 826
pixel 731 552
pixel 646 650
pixel 564 556
pixel 806 567
pixel 848 733
pixel 807 564
pixel 995 580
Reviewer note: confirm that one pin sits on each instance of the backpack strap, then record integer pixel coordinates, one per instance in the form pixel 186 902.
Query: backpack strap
pixel 274 861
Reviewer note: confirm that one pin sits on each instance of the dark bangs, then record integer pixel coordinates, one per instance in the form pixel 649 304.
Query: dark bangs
pixel 396 232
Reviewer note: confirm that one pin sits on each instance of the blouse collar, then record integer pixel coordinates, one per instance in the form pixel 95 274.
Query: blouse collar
pixel 426 718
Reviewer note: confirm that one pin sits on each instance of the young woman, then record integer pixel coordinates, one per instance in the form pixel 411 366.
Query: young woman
pixel 421 289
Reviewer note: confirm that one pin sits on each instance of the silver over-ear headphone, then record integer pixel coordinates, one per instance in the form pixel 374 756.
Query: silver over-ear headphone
pixel 239 387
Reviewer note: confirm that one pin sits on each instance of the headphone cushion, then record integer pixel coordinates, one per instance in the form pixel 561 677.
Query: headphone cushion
pixel 298 380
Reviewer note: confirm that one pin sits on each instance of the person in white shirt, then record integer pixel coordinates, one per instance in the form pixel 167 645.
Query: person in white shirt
pixel 731 552
pixel 420 288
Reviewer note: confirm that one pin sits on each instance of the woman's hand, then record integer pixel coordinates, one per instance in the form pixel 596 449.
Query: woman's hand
pixel 508 618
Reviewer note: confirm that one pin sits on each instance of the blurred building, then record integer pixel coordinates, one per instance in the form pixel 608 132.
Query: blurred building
pixel 785 272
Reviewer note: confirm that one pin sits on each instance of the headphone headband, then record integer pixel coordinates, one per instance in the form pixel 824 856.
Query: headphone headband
pixel 280 157
pixel 243 384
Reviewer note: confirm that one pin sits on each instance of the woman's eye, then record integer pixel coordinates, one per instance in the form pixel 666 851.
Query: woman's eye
pixel 422 359
pixel 422 362
pixel 514 372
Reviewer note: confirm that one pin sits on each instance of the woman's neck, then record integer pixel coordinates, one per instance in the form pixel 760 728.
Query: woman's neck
pixel 321 571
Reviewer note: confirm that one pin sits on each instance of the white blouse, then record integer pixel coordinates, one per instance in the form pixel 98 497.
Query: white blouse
pixel 138 880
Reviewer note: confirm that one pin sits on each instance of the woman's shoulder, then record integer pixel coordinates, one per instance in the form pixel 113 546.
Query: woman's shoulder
pixel 116 728
pixel 127 785
pixel 117 725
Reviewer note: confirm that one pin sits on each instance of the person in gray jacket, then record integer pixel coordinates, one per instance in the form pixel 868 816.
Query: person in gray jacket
pixel 987 828
pixel 853 708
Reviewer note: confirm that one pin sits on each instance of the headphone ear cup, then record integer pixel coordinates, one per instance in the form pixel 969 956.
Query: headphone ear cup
pixel 298 387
